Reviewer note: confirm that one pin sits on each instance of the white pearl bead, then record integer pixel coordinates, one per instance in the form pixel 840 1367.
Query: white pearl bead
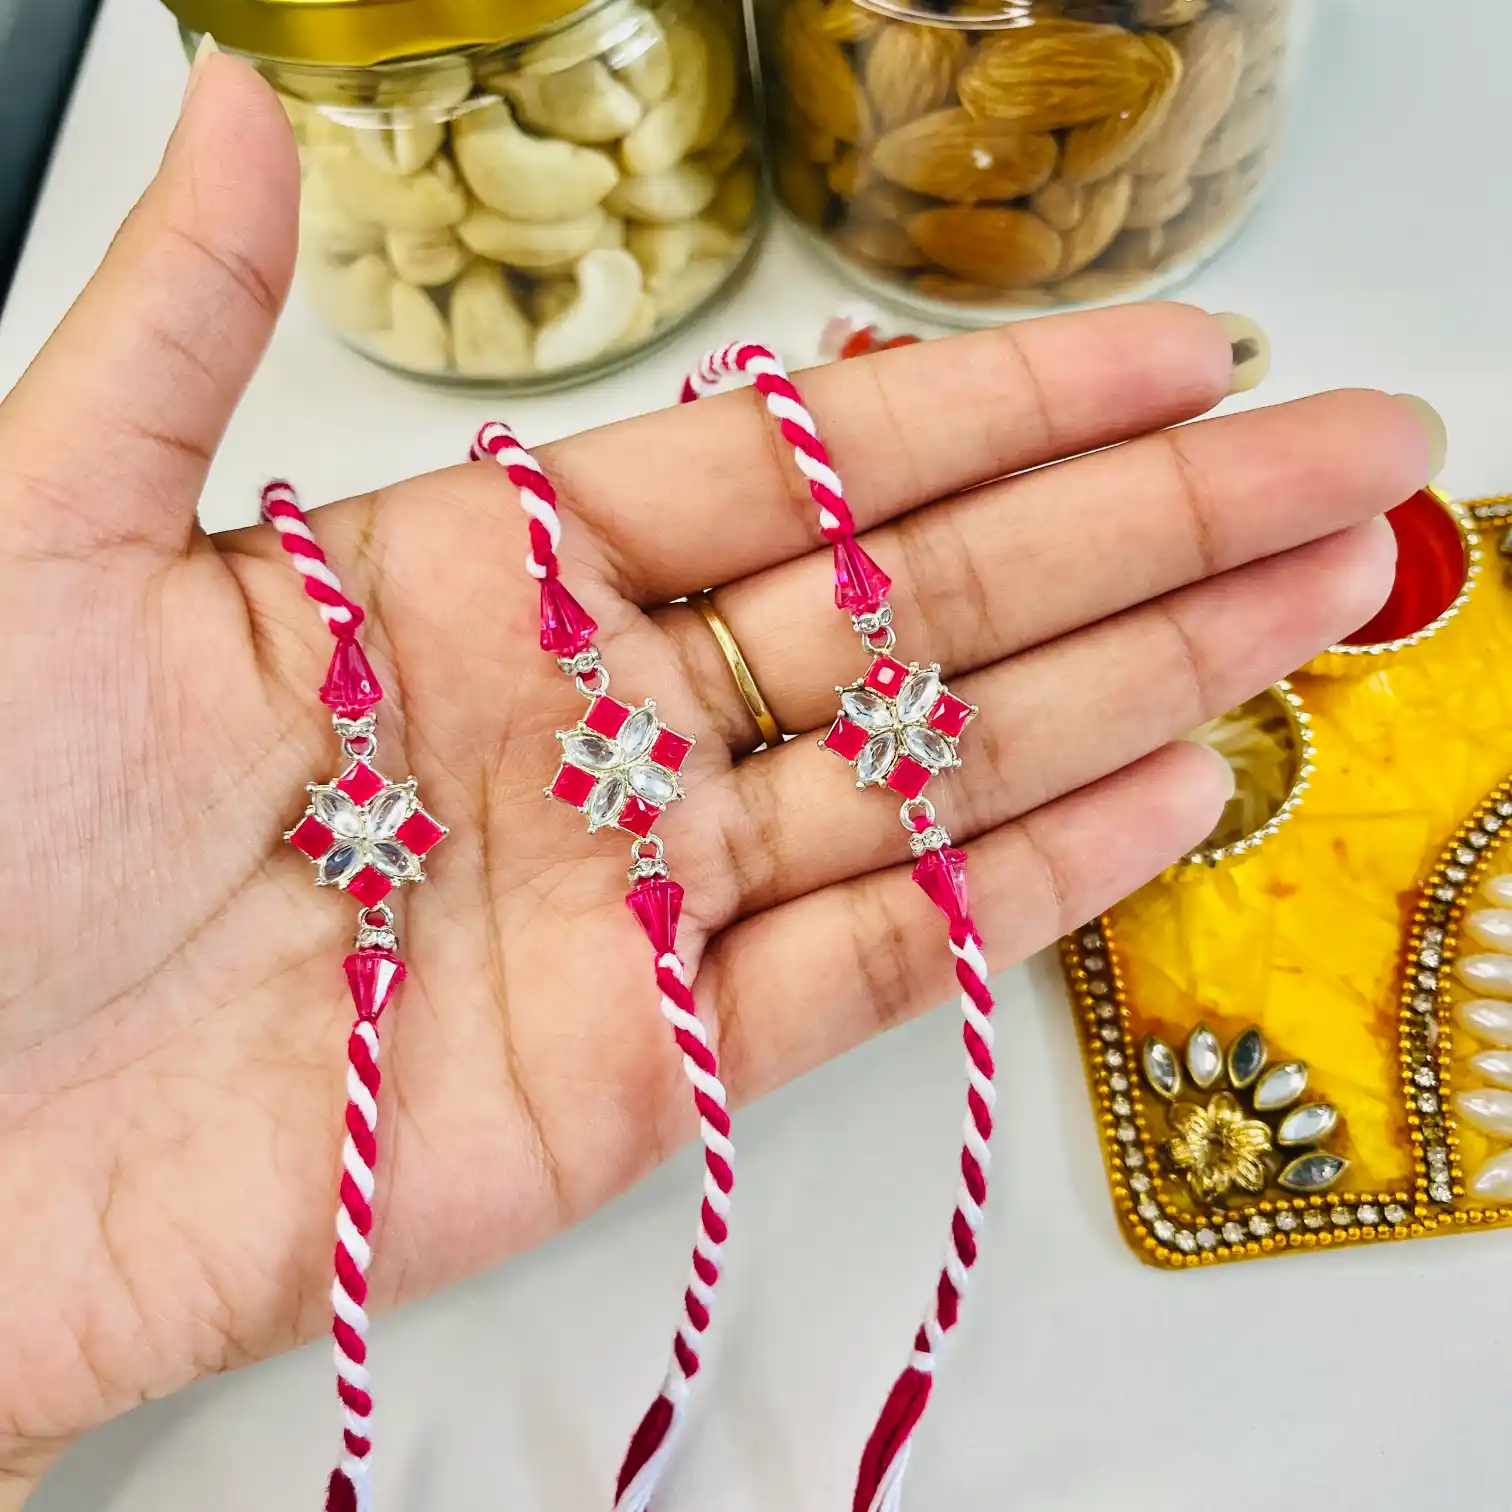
pixel 1486 973
pixel 1491 927
pixel 1494 1066
pixel 1490 1112
pixel 1494 1179
pixel 1499 889
pixel 1487 1020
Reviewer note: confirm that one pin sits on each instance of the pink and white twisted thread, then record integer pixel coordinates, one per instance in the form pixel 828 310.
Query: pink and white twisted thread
pixel 537 497
pixel 281 510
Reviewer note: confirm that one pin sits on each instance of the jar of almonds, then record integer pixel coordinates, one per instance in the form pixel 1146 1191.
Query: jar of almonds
pixel 512 193
pixel 970 159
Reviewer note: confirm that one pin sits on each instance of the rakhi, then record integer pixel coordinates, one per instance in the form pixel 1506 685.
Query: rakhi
pixel 620 767
pixel 365 836
pixel 897 727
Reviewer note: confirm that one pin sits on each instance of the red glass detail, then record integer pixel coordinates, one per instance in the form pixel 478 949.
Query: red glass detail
pixel 861 344
pixel 419 832
pixel 638 816
pixel 370 886
pixel 372 974
pixel 657 903
pixel 908 778
pixel 1430 571
pixel 360 782
pixel 900 341
pixel 942 876
pixel 951 714
pixel 671 750
pixel 885 676
pixel 311 837
pixel 573 785
pixel 860 585
pixel 566 627
pixel 350 687
pixel 606 717
pixel 845 739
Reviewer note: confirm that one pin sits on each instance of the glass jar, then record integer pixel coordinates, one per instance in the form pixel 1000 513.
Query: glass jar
pixel 516 195
pixel 971 159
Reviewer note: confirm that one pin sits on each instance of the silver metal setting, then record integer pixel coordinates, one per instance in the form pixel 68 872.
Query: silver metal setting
pixel 642 865
pixel 381 936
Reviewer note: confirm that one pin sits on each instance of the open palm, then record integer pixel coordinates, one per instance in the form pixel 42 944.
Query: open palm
pixel 172 1016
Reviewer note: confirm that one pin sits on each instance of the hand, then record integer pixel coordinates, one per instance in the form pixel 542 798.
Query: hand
pixel 173 1017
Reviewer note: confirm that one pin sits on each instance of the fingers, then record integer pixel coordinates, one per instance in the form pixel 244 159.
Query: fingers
pixel 1021 561
pixel 109 434
pixel 1053 719
pixel 799 984
pixel 690 497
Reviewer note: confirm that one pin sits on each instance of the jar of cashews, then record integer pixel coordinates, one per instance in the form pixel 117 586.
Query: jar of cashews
pixel 514 194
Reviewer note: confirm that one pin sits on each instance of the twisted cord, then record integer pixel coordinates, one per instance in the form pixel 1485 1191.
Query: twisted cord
pixel 281 510
pixel 537 496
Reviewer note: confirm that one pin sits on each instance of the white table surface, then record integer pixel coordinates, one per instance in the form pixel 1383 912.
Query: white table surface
pixel 1374 1377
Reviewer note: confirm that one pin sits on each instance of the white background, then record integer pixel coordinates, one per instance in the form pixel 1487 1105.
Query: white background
pixel 1373 1378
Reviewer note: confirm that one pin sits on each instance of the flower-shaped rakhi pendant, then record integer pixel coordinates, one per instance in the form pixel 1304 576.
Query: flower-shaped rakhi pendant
pixel 620 766
pixel 898 726
pixel 365 834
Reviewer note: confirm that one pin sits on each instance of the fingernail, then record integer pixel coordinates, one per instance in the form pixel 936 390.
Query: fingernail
pixel 207 46
pixel 1224 766
pixel 1433 427
pixel 1251 351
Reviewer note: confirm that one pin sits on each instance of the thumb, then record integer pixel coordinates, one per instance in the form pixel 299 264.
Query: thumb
pixel 109 434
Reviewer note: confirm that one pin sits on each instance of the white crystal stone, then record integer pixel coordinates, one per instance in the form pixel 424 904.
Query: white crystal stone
pixel 1281 1086
pixel 653 784
pixel 918 696
pixel 606 800
pixel 865 708
pixel 1486 1019
pixel 928 746
pixel 1161 1068
pixel 591 751
pixel 638 733
pixel 1486 973
pixel 1494 1179
pixel 1204 1056
pixel 1494 1066
pixel 1491 927
pixel 1312 1173
pixel 393 860
pixel 1499 889
pixel 877 756
pixel 339 864
pixel 387 812
pixel 1487 1110
pixel 1307 1125
pixel 1246 1058
pixel 337 812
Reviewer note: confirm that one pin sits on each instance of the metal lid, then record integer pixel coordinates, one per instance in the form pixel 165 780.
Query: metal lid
pixel 357 33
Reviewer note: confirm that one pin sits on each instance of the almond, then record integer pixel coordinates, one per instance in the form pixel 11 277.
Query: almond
pixel 1004 249
pixel 843 22
pixel 816 144
pixel 910 70
pixel 1106 206
pixel 1060 203
pixel 1245 129
pixel 953 155
pixel 880 200
pixel 819 77
pixel 800 186
pixel 1134 252
pixel 848 174
pixel 1212 53
pixel 1102 147
pixel 1046 78
pixel 1168 12
pixel 1157 200
pixel 960 291
pixel 1100 283
pixel 881 244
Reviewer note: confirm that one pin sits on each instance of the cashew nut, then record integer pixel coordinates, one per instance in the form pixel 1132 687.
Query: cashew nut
pixel 675 293
pixel 327 227
pixel 353 296
pixel 401 148
pixel 667 249
pixel 584 103
pixel 609 291
pixel 667 133
pixel 526 177
pixel 416 338
pixel 427 258
pixel 672 195
pixel 423 201
pixel 642 323
pixel 719 95
pixel 437 84
pixel 649 72
pixel 551 297
pixel 533 244
pixel 728 147
pixel 617 25
pixel 735 203
pixel 299 113
pixel 491 337
pixel 611 236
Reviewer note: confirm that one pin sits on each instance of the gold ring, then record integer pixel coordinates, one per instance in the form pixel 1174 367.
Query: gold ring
pixel 771 731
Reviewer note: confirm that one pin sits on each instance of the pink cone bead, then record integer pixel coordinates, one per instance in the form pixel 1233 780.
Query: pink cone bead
pixel 372 974
pixel 656 903
pixel 566 627
pixel 942 876
pixel 860 585
pixel 350 687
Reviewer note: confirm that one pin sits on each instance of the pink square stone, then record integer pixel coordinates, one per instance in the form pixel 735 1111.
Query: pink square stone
pixel 360 782
pixel 606 717
pixel 572 785
pixel 370 887
pixel 638 816
pixel 420 832
pixel 908 777
pixel 311 837
pixel 885 676
pixel 671 750
pixel 845 739
pixel 951 714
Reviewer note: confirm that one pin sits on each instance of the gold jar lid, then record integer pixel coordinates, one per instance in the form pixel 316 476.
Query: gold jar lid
pixel 360 33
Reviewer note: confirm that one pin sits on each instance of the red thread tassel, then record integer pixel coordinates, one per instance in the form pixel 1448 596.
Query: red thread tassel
pixel 647 1440
pixel 341 1494
pixel 905 1406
